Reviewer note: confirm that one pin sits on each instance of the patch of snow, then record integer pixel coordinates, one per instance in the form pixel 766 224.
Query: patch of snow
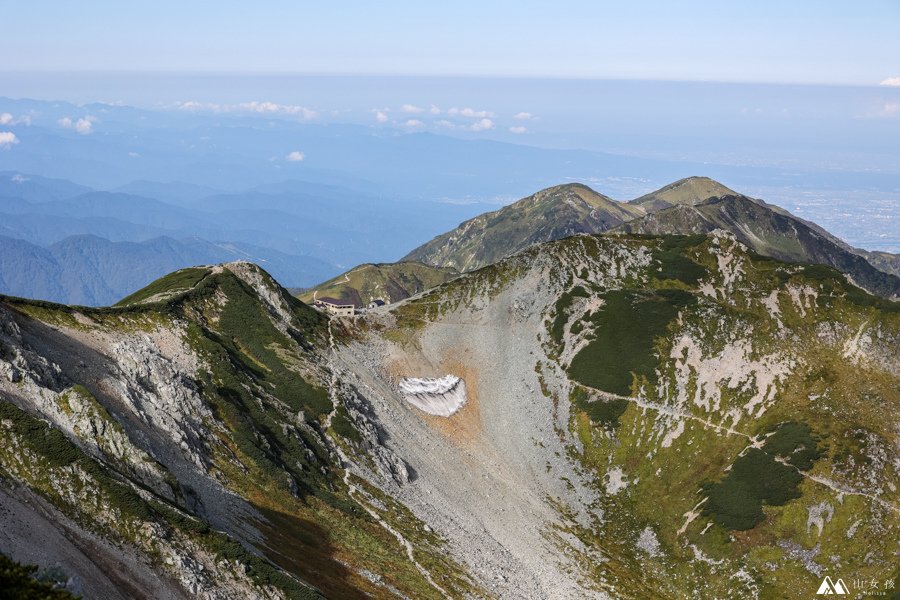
pixel 441 397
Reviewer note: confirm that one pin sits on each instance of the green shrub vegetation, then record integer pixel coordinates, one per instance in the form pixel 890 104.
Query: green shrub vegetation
pixel 562 311
pixel 795 443
pixel 833 283
pixel 57 450
pixel 256 341
pixel 19 582
pixel 604 412
pixel 757 478
pixel 47 441
pixel 626 329
pixel 344 427
pixel 250 361
pixel 674 264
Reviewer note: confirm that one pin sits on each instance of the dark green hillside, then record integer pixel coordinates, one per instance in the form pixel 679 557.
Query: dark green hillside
pixel 758 477
pixel 627 327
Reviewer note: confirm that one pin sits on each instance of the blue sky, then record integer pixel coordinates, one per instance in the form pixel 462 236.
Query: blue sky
pixel 832 42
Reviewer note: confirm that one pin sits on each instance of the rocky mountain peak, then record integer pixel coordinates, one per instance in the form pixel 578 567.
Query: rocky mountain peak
pixel 688 191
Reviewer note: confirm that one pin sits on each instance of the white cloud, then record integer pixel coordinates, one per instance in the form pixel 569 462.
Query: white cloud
pixel 280 109
pixel 434 110
pixel 295 156
pixel 518 129
pixel 19 178
pixel 265 108
pixel 381 116
pixel 134 154
pixel 445 123
pixel 6 119
pixel 8 139
pixel 891 82
pixel 523 116
pixel 482 125
pixel 193 106
pixel 470 113
pixel 413 124
pixel 83 126
pixel 412 109
pixel 890 109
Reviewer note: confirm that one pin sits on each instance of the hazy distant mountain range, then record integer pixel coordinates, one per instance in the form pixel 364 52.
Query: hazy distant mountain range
pixel 65 242
pixel 234 152
pixel 93 271
pixel 310 199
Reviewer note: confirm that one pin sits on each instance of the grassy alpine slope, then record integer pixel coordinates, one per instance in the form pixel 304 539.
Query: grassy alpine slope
pixel 647 417
pixel 726 424
pixel 390 282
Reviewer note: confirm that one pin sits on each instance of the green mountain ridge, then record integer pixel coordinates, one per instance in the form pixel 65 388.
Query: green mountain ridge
pixel 644 416
pixel 719 400
pixel 550 214
pixel 389 282
pixel 685 207
pixel 198 411
pixel 769 232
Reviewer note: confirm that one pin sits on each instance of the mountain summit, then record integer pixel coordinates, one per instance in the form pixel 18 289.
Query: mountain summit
pixel 687 192
pixel 688 206
pixel 550 214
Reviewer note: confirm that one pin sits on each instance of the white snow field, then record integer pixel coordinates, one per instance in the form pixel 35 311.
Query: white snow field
pixel 441 397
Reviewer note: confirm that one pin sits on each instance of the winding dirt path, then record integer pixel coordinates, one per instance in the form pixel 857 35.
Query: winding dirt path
pixel 754 442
